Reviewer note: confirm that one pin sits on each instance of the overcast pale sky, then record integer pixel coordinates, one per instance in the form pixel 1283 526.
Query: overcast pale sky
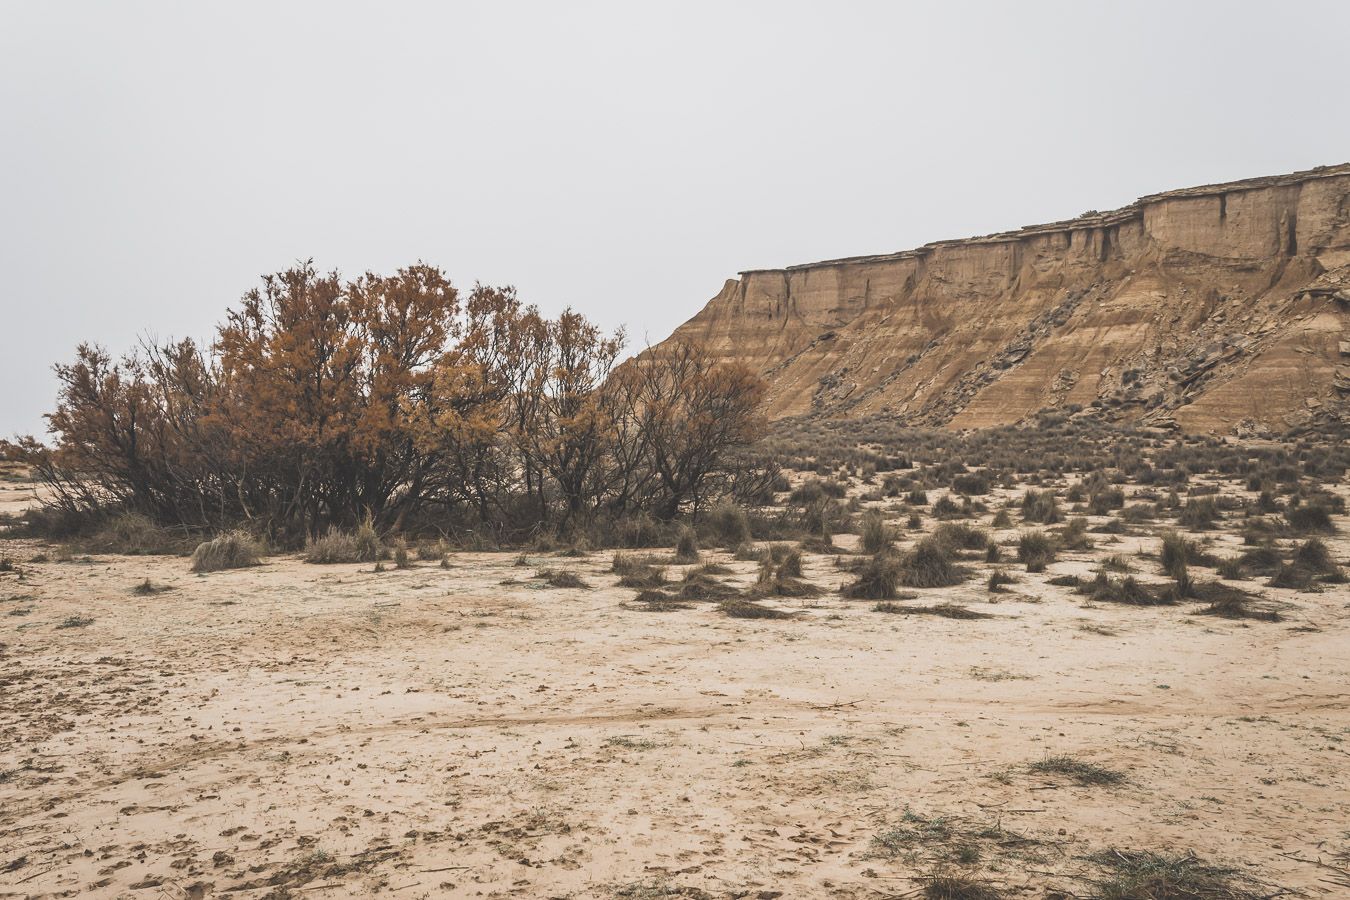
pixel 621 158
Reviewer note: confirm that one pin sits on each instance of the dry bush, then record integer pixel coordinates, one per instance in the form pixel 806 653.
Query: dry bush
pixel 1309 519
pixel 1101 502
pixel 338 546
pixel 232 550
pixel 638 571
pixel 1041 507
pixel 748 609
pixel 947 884
pixel 783 559
pixel 780 571
pixel 956 536
pixel 1238 606
pixel 944 610
pixel 701 585
pixel 132 534
pixel 1073 535
pixel 876 580
pixel 997 579
pixel 686 546
pixel 1199 514
pixel 729 524
pixel 1085 773
pixel 657 601
pixel 1146 875
pixel 929 565
pixel 971 483
pixel 1127 590
pixel 1035 550
pixel 875 536
pixel 1311 565
pixel 561 578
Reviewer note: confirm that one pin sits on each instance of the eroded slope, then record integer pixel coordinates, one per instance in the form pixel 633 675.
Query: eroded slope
pixel 1218 307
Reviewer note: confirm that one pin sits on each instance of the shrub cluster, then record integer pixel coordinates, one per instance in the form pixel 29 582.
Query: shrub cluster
pixel 322 403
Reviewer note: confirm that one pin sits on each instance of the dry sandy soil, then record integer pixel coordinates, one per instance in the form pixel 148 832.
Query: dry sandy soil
pixel 334 731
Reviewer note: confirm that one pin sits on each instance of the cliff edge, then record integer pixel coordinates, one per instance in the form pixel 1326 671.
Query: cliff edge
pixel 1216 308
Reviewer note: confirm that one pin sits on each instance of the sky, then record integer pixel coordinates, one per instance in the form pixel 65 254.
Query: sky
pixel 623 159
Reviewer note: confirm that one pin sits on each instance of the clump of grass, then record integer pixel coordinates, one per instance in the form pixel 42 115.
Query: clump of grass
pixel 1041 507
pixel 1311 564
pixel 637 571
pixel 132 534
pixel 1235 605
pixel 1199 514
pixel 1001 520
pixel 401 558
pixel 657 601
pixel 946 884
pixel 997 579
pixel 945 610
pixel 1127 590
pixel 1082 772
pixel 338 546
pixel 1309 518
pixel 780 569
pixel 1315 555
pixel 729 524
pixel 686 546
pixel 1073 536
pixel 1262 559
pixel 147 588
pixel 75 622
pixel 428 552
pixel 699 584
pixel 1035 550
pixel 1146 875
pixel 929 565
pixel 1117 563
pixel 561 578
pixel 784 557
pixel 875 580
pixel 232 550
pixel 628 742
pixel 953 536
pixel 739 608
pixel 1101 502
pixel 914 830
pixel 875 536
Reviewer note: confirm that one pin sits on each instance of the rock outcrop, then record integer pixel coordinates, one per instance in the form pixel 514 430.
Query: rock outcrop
pixel 1216 308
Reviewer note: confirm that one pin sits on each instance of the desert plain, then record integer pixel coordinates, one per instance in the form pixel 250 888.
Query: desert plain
pixel 463 728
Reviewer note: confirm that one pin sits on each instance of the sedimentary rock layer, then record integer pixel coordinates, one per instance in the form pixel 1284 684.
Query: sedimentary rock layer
pixel 1215 308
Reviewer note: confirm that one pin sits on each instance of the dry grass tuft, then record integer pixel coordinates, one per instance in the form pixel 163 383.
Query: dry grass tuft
pixel 232 550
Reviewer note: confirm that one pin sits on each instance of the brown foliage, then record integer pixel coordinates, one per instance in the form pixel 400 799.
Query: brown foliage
pixel 324 403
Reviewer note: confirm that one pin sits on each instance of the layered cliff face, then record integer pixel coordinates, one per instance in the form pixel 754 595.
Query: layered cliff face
pixel 1217 308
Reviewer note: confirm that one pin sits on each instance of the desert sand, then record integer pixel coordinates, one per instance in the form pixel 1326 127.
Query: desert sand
pixel 469 732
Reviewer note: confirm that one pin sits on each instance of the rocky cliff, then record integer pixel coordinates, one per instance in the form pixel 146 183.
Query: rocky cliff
pixel 1215 308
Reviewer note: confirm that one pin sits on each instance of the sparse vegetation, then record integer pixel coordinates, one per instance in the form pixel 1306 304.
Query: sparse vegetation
pixel 1035 550
pixel 1082 772
pixel 233 550
pixel 338 546
pixel 1149 875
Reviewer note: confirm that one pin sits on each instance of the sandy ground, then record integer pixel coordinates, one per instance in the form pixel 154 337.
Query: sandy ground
pixel 333 731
